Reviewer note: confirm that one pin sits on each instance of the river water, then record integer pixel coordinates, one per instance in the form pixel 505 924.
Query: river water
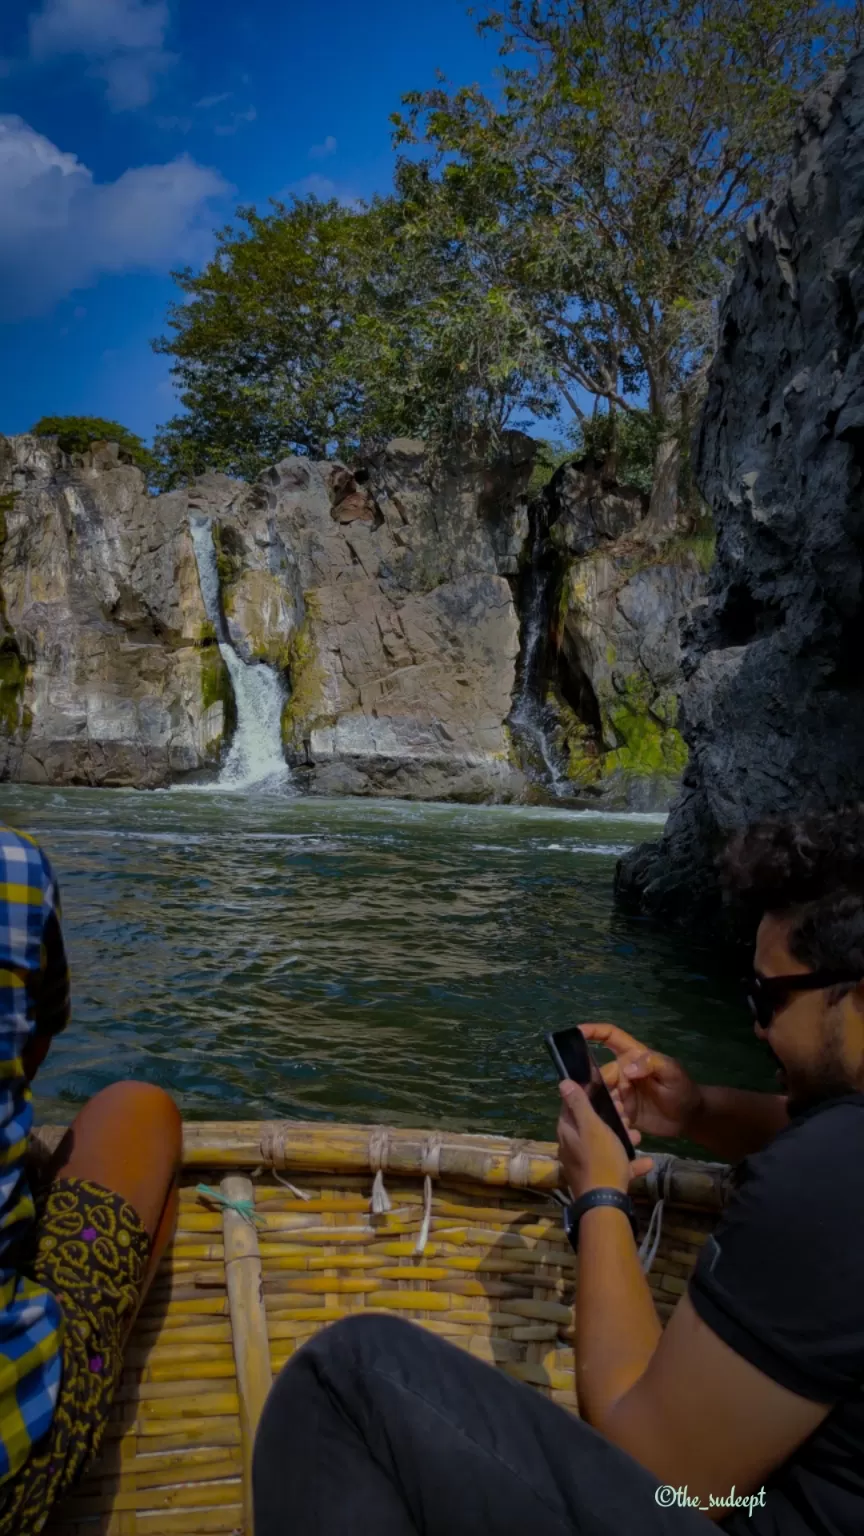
pixel 267 956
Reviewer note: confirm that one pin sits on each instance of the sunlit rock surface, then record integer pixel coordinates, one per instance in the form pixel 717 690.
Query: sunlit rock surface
pixel 386 605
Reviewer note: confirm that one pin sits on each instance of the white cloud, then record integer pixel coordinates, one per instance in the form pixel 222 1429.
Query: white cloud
pixel 324 150
pixel 236 122
pixel 207 102
pixel 60 230
pixel 124 39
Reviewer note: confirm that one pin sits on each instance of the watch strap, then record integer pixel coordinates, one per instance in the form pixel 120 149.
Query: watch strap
pixel 589 1201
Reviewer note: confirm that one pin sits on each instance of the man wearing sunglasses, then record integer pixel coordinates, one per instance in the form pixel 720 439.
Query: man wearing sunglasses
pixel 748 1410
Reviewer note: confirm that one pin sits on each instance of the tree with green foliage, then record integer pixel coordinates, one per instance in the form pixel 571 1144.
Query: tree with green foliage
pixel 258 341
pixel 75 434
pixel 626 442
pixel 318 328
pixel 628 144
pixel 555 252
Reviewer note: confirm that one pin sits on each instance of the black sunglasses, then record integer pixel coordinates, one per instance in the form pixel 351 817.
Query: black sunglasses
pixel 766 994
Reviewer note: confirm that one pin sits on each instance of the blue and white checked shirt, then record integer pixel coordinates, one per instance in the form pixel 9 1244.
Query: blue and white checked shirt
pixel 34 1000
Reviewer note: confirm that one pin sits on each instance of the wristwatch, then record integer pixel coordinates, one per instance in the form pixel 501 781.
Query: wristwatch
pixel 586 1202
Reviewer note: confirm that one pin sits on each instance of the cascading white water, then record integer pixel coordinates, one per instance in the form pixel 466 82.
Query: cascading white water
pixel 256 756
pixel 528 712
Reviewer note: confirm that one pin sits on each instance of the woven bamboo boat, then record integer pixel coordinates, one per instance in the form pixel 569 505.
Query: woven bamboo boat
pixel 459 1233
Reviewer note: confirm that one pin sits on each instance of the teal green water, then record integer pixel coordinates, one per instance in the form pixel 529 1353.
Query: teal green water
pixel 363 960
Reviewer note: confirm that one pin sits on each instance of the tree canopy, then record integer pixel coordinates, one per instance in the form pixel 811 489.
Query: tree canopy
pixel 629 143
pixel 552 253
pixel 318 328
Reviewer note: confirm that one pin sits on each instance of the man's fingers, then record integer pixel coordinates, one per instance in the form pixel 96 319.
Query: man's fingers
pixel 615 1039
pixel 611 1073
pixel 579 1105
pixel 636 1064
pixel 619 1105
pixel 649 1064
pixel 575 1099
pixel 641 1165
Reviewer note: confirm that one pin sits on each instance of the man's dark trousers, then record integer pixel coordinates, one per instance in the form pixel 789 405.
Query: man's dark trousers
pixel 377 1428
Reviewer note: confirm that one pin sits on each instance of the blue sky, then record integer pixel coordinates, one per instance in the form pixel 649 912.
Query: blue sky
pixel 130 129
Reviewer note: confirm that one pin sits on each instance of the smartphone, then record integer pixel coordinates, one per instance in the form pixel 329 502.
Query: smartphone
pixel 569 1051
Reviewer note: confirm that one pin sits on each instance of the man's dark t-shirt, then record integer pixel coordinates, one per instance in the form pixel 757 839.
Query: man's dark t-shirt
pixel 782 1283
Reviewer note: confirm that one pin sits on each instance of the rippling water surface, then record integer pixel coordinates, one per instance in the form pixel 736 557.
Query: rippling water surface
pixel 363 960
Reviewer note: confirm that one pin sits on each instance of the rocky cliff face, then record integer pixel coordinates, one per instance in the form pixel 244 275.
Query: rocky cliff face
pixel 386 604
pixel 612 669
pixel 773 709
pixel 392 603
pixel 108 674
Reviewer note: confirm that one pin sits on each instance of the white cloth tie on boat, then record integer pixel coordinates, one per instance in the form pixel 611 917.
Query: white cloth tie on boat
pixel 423 1235
pixel 659 1184
pixel 379 1146
pixel 430 1167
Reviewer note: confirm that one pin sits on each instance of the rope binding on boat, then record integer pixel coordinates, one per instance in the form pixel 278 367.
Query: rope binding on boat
pixel 244 1208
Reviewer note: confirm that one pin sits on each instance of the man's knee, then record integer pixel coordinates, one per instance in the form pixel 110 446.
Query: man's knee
pixel 342 1363
pixel 375 1353
pixel 366 1340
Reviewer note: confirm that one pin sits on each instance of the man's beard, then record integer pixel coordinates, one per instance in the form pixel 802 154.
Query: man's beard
pixel 827 1080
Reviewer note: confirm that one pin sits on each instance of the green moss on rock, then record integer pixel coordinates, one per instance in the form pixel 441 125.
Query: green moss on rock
pixel 579 748
pixel 230 552
pixel 644 728
pixel 13 680
pixel 305 707
pixel 216 689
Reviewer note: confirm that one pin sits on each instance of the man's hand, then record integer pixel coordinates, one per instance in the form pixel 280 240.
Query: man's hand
pixel 591 1155
pixel 651 1091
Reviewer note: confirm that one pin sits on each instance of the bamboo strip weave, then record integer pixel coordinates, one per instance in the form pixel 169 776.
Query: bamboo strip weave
pixel 248 1323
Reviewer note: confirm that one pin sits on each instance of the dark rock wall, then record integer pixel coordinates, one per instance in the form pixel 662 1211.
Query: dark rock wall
pixel 773 705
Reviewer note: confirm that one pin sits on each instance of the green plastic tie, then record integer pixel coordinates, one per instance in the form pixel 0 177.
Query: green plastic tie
pixel 244 1208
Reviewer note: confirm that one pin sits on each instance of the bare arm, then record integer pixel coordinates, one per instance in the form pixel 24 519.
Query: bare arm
pixel 617 1327
pixel 701 1416
pixel 733 1122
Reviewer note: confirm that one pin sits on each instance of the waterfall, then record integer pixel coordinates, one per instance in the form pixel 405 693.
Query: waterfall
pixel 255 756
pixel 529 713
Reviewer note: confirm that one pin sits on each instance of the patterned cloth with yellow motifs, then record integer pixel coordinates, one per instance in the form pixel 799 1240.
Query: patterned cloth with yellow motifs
pixel 90 1250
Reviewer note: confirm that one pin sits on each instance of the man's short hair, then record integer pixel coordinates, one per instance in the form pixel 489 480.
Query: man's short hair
pixel 811 868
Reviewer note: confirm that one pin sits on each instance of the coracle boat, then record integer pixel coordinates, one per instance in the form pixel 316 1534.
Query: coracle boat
pixel 285 1227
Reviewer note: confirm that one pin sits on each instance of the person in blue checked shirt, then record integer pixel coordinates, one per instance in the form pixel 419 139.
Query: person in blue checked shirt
pixel 78 1251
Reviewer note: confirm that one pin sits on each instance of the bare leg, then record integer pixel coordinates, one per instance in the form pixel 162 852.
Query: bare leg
pixel 129 1139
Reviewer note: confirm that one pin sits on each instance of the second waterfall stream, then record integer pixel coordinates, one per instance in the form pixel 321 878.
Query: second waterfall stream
pixel 256 756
